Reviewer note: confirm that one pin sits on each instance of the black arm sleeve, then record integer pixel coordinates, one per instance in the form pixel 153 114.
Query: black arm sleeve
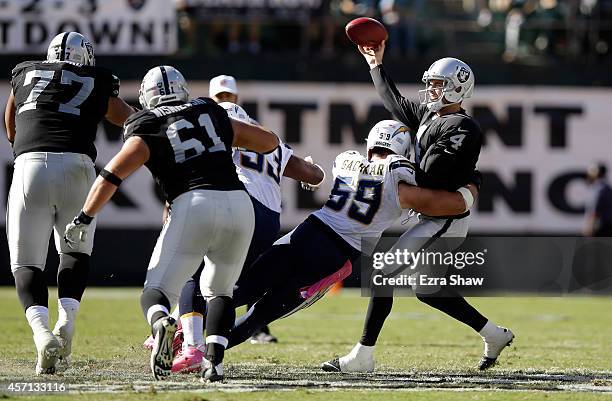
pixel 402 109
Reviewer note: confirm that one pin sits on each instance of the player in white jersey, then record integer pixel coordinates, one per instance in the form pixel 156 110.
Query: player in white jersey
pixel 261 174
pixel 368 196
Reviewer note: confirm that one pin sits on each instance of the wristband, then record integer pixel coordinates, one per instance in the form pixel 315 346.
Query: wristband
pixel 83 218
pixel 110 177
pixel 467 197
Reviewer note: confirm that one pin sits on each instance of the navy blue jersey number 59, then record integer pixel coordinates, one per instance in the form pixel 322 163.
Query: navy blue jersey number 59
pixel 369 192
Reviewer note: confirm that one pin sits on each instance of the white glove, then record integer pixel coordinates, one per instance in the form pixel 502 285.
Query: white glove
pixel 312 187
pixel 76 231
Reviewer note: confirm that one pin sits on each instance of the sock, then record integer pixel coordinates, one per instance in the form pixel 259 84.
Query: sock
pixel 378 310
pixel 72 275
pixel 489 329
pixel 38 318
pixel 193 329
pixel 176 313
pixel 450 302
pixel 67 311
pixel 154 304
pixel 31 286
pixel 156 312
pixel 191 299
pixel 219 321
pixel 215 348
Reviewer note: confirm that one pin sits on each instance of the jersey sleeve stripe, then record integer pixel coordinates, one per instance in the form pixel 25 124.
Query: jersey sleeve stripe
pixel 401 163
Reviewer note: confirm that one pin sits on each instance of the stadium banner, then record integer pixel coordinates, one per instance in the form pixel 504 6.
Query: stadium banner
pixel 113 26
pixel 249 9
pixel 538 144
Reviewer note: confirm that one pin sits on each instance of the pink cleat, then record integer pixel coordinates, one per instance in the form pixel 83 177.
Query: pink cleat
pixel 188 360
pixel 148 343
pixel 177 343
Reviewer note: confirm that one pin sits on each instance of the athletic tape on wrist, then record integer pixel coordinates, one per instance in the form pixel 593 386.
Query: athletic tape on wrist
pixel 467 197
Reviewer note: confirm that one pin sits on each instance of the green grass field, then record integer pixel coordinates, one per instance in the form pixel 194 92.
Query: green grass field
pixel 563 351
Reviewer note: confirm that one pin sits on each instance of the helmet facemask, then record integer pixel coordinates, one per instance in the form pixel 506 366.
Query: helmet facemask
pixel 457 84
pixel 439 96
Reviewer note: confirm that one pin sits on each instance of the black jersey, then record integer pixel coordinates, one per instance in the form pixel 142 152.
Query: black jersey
pixel 59 105
pixel 190 145
pixel 446 147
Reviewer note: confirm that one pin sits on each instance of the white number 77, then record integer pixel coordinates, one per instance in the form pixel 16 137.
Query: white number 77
pixel 68 77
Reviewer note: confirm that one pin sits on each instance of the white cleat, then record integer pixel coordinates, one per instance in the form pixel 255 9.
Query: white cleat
pixel 494 345
pixel 64 334
pixel 359 360
pixel 47 347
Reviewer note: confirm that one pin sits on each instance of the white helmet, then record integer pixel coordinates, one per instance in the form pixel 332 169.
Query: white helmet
pixel 161 85
pixel 389 134
pixel 71 46
pixel 458 83
pixel 235 111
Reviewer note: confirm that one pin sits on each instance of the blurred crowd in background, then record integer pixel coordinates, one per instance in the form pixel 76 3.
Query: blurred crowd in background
pixel 516 31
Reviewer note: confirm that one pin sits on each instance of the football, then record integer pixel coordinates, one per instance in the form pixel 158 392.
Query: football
pixel 366 31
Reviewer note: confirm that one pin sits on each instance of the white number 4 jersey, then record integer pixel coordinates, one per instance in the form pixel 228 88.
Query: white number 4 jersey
pixel 261 174
pixel 364 201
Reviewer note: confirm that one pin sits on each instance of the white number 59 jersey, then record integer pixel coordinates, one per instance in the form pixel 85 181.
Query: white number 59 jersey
pixel 364 201
pixel 261 174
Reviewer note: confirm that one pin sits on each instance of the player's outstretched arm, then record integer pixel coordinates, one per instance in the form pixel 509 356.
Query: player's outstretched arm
pixel 9 117
pixel 132 155
pixel 304 170
pixel 118 111
pixel 252 137
pixel 402 109
pixel 435 202
pixel 373 55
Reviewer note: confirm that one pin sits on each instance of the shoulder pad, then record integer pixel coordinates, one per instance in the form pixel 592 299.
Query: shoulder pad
pixel 348 154
pixel 397 161
pixel 142 122
pixel 21 66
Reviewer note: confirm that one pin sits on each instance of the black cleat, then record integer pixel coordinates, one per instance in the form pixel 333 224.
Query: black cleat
pixel 161 354
pixel 331 366
pixel 211 373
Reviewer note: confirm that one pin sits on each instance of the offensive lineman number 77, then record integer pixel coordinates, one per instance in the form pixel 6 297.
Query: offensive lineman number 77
pixel 68 78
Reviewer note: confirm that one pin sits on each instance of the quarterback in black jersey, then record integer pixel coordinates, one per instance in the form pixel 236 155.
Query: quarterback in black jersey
pixel 446 145
pixel 187 146
pixel 51 120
